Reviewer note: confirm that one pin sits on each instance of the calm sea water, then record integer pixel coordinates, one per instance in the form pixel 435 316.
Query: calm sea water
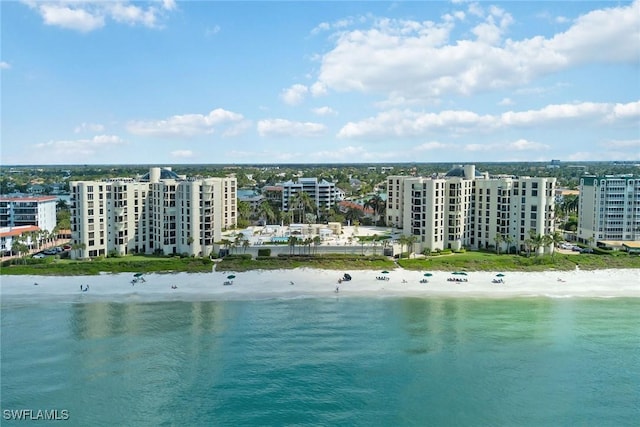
pixel 328 362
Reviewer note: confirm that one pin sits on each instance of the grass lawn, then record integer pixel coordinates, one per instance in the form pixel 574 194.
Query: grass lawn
pixel 484 261
pixel 126 264
pixel 468 261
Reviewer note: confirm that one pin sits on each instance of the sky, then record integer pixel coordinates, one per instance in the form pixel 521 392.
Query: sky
pixel 264 82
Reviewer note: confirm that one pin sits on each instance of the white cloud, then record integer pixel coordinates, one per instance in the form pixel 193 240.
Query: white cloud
pixel 70 18
pixel 519 145
pixel 433 145
pixel 506 101
pixel 287 128
pixel 4 65
pixel 89 127
pixel 185 125
pixel 389 56
pixel 295 94
pixel 80 146
pixel 408 123
pixel 625 111
pixel 86 16
pixel 324 111
pixel 182 154
pixel 212 30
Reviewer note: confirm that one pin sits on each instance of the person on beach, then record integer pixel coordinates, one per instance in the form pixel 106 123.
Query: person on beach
pixel 291 283
pixel 337 289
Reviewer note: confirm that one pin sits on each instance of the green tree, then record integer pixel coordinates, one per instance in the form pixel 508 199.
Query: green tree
pixel 265 211
pixel 377 204
pixel 498 239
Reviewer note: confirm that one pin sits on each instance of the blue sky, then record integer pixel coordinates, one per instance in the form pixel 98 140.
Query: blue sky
pixel 167 82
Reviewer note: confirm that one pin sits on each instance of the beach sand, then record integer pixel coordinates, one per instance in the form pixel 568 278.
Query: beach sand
pixel 307 282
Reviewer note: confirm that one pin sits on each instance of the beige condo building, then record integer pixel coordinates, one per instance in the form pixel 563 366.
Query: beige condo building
pixel 464 208
pixel 160 212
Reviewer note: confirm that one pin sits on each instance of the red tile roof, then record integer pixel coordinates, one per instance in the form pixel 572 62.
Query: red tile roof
pixel 16 231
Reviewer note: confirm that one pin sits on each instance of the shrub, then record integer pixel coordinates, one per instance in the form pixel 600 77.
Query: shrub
pixel 264 252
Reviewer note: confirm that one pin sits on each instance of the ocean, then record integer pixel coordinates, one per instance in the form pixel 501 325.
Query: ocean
pixel 328 361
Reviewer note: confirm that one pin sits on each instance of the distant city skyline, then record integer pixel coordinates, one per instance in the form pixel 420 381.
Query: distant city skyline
pixel 167 82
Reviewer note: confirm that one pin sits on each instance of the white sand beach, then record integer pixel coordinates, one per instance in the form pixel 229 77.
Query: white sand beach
pixel 307 282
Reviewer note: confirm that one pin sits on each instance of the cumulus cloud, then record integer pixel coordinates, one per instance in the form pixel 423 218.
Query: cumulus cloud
pixel 417 60
pixel 4 65
pixel 185 125
pixel 295 94
pixel 324 111
pixel 89 127
pixel 287 128
pixel 519 145
pixel 85 16
pixel 79 147
pixel 408 123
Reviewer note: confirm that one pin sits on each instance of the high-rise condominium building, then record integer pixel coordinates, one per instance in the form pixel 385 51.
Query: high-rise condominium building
pixel 609 208
pixel 467 209
pixel 160 212
pixel 323 193
pixel 22 211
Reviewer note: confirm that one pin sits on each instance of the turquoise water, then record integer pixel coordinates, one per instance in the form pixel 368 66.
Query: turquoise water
pixel 327 362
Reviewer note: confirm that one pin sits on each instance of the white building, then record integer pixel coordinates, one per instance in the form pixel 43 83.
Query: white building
pixel 20 211
pixel 467 209
pixel 609 209
pixel 160 212
pixel 323 193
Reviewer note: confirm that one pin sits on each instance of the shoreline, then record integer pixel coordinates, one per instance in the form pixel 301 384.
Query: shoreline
pixel 318 283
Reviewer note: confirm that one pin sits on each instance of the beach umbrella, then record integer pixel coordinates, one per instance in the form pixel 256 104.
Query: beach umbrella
pixel 231 276
pixel 428 274
pixel 137 275
pixel 499 275
pixel 385 272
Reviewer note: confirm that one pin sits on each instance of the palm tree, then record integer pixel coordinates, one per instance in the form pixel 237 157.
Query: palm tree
pixel 245 245
pixel 78 247
pixel 376 203
pixel 536 241
pixel 316 242
pixel 403 240
pixel 20 248
pixel 300 202
pixel 411 240
pixel 546 241
pixel 508 240
pixel 287 217
pixel 353 214
pixel 293 240
pixel 244 210
pixel 528 243
pixel 498 239
pixel 266 211
pixel 556 239
pixel 308 241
